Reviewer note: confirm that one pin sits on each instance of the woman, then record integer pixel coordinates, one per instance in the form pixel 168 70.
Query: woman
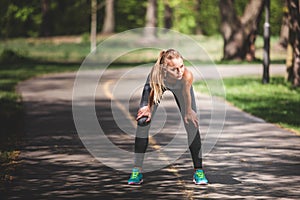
pixel 168 73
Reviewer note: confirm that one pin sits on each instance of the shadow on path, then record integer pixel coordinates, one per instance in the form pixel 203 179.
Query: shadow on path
pixel 252 159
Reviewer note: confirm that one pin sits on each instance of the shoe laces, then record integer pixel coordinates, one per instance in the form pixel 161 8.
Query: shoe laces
pixel 200 174
pixel 135 174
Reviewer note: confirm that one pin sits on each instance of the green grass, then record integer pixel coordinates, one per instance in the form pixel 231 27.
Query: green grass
pixel 47 50
pixel 75 49
pixel 276 102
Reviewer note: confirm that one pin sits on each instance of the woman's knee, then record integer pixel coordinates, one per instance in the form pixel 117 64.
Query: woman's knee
pixel 143 121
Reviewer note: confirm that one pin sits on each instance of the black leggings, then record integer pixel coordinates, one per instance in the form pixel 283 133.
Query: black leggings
pixel 142 132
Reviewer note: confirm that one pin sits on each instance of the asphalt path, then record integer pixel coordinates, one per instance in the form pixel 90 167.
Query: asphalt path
pixel 249 159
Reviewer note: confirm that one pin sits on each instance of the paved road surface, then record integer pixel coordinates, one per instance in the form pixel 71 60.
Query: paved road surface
pixel 251 160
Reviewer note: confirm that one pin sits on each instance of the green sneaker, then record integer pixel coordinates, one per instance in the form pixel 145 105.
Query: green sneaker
pixel 199 177
pixel 136 177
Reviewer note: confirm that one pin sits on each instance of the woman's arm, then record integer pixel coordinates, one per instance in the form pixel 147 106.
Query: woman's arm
pixel 146 103
pixel 190 114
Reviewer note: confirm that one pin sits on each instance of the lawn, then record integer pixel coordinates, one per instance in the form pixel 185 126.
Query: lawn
pixel 276 102
pixel 76 48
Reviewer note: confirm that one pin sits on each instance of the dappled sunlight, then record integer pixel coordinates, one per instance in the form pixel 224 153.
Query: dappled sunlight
pixel 251 159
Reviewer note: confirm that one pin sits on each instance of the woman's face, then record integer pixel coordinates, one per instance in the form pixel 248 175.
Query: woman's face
pixel 175 68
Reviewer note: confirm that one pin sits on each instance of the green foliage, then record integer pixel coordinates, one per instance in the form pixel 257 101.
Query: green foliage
pixel 184 16
pixel 70 17
pixel 9 56
pixel 18 18
pixel 85 37
pixel 130 14
pixel 21 14
pixel 209 16
pixel 24 18
pixel 276 10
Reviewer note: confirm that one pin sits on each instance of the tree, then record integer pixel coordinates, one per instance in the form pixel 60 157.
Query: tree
pixel 109 19
pixel 20 18
pixel 45 26
pixel 168 15
pixel 93 24
pixel 284 31
pixel 198 18
pixel 151 19
pixel 239 34
pixel 208 17
pixel 294 40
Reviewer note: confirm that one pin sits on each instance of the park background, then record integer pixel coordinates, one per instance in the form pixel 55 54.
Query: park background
pixel 39 37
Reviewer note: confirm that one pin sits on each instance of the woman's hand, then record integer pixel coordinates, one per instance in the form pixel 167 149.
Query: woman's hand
pixel 191 116
pixel 144 112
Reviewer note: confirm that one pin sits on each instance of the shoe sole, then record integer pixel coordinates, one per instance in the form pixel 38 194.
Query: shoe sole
pixel 201 183
pixel 134 183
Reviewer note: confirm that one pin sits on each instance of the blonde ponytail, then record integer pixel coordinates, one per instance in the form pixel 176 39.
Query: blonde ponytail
pixel 157 80
pixel 158 73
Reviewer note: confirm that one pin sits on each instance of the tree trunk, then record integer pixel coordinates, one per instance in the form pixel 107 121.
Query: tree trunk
pixel 109 19
pixel 93 24
pixel 198 21
pixel 168 13
pixel 294 39
pixel 151 20
pixel 239 33
pixel 284 31
pixel 45 30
